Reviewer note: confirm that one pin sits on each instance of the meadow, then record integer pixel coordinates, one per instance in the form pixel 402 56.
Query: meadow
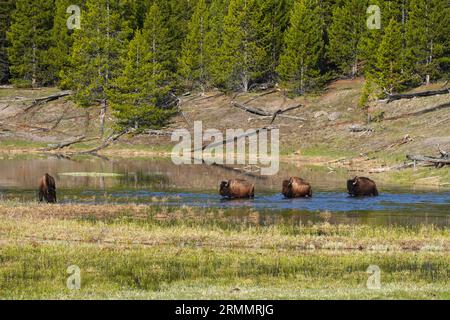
pixel 160 252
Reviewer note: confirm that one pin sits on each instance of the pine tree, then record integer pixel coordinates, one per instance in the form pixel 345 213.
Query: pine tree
pixel 370 41
pixel 192 64
pixel 276 20
pixel 136 95
pixel 176 15
pixel 30 39
pixel 133 11
pixel 95 58
pixel 156 32
pixel 6 8
pixel 62 39
pixel 390 64
pixel 242 52
pixel 348 25
pixel 303 48
pixel 427 33
pixel 213 41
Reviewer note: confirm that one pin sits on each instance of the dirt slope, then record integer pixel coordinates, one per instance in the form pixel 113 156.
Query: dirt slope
pixel 323 132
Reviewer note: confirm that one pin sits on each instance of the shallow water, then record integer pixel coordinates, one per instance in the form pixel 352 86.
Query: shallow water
pixel 156 181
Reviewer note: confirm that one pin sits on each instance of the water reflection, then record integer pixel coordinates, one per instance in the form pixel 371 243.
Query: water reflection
pixel 153 181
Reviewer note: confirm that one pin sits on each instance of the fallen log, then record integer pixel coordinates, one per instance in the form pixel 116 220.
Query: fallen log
pixel 112 138
pixel 158 133
pixel 437 161
pixel 394 97
pixel 252 110
pixel 262 113
pixel 49 98
pixel 387 169
pixel 284 116
pixel 64 144
pixel 419 113
pixel 358 129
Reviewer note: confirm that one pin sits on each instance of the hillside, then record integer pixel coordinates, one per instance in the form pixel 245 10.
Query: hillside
pixel 321 127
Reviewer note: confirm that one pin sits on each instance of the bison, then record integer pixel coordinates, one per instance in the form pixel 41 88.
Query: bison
pixel 362 187
pixel 296 188
pixel 237 189
pixel 47 189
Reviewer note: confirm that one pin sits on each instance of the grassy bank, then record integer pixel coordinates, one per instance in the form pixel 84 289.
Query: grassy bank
pixel 159 252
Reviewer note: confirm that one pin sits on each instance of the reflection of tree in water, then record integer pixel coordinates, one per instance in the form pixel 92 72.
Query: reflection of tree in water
pixel 142 178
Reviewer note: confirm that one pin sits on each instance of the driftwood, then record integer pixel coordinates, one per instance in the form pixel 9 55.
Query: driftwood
pixel 440 162
pixel 262 113
pixel 358 129
pixel 435 160
pixel 394 97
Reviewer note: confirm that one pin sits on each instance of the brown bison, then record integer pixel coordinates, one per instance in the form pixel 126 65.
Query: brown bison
pixel 362 187
pixel 237 189
pixel 296 188
pixel 47 189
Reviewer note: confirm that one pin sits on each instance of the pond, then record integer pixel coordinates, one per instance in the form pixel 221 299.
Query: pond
pixel 155 181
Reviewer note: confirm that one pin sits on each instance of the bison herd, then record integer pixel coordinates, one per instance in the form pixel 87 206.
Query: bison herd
pixel 296 188
pixel 241 189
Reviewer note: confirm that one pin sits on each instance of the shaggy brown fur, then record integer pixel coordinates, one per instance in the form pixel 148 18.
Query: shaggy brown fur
pixel 47 189
pixel 362 187
pixel 296 188
pixel 237 189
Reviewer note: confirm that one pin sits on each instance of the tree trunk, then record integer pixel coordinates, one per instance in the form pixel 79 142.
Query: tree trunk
pixel 102 116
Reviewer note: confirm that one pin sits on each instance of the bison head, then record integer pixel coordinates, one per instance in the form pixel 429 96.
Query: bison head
pixel 225 188
pixel 352 185
pixel 287 188
pixel 51 195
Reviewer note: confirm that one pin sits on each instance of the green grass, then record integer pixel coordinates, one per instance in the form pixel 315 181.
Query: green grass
pixel 39 271
pixel 140 252
pixel 325 151
pixel 423 176
pixel 9 143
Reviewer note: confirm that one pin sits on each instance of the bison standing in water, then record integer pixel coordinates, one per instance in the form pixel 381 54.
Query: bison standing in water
pixel 296 188
pixel 237 189
pixel 47 189
pixel 362 187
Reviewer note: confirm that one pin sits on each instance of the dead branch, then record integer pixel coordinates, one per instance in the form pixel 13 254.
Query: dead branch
pixel 112 138
pixel 47 99
pixel 262 113
pixel 158 133
pixel 428 159
pixel 66 144
pixel 178 101
pixel 419 113
pixel 261 95
pixel 394 168
pixel 394 97
pixel 438 162
pixel 230 140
